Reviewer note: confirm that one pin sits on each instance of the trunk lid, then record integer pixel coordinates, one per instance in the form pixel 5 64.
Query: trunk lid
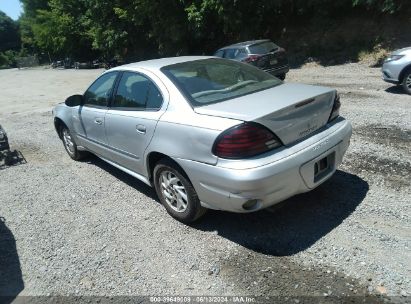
pixel 291 111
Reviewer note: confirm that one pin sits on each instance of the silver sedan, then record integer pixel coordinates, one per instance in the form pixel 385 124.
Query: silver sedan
pixel 208 133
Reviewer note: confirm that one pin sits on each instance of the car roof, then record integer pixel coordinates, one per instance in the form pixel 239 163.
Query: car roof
pixel 245 44
pixel 157 64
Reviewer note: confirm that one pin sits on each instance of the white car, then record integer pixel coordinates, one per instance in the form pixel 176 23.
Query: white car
pixel 397 69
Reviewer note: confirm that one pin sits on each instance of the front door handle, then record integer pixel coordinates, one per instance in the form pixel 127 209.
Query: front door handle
pixel 141 129
pixel 98 121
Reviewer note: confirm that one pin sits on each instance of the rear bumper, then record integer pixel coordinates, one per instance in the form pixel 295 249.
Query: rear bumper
pixel 290 172
pixel 278 70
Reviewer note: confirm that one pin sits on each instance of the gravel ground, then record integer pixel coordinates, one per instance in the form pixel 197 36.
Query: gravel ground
pixel 86 228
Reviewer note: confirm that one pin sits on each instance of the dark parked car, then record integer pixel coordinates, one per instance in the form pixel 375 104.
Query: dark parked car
pixel 5 155
pixel 263 54
pixel 4 142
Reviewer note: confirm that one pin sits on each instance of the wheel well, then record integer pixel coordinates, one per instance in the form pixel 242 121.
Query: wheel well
pixel 153 159
pixel 58 124
pixel 404 70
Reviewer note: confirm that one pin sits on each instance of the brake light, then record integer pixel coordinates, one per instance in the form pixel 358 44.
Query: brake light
pixel 245 140
pixel 252 58
pixel 336 108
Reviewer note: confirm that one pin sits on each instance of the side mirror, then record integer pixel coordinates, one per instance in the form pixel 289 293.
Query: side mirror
pixel 74 101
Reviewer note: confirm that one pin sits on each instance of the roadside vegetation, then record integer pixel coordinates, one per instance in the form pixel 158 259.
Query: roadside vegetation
pixel 9 41
pixel 325 31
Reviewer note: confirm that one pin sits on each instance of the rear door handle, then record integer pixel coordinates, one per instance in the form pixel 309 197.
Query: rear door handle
pixel 98 121
pixel 141 129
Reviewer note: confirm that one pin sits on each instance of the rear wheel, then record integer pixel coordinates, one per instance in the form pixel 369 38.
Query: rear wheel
pixel 406 83
pixel 9 159
pixel 281 76
pixel 176 192
pixel 70 145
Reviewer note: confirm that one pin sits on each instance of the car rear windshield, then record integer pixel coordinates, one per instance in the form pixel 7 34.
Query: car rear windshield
pixel 263 48
pixel 212 80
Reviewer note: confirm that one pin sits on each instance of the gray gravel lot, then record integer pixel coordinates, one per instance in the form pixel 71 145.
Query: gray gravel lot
pixel 86 228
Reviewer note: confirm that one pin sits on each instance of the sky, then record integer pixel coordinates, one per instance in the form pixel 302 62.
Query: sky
pixel 12 8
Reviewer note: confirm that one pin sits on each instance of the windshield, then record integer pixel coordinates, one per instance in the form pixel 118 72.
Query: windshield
pixel 263 48
pixel 212 80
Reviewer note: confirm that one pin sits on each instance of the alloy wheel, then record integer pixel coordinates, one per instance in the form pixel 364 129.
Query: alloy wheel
pixel 408 81
pixel 68 142
pixel 173 191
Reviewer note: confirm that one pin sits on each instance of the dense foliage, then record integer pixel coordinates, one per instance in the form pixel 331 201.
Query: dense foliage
pixel 135 29
pixel 9 40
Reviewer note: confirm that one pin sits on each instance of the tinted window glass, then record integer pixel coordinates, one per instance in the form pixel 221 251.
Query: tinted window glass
pixel 99 92
pixel 242 53
pixel 263 48
pixel 137 92
pixel 155 99
pixel 214 80
pixel 219 53
pixel 235 53
pixel 230 53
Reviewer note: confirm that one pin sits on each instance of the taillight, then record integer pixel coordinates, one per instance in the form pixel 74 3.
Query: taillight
pixel 245 140
pixel 252 58
pixel 336 108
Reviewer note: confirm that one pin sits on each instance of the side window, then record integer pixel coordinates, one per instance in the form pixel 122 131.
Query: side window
pixel 99 92
pixel 242 53
pixel 137 92
pixel 231 53
pixel 219 53
pixel 155 99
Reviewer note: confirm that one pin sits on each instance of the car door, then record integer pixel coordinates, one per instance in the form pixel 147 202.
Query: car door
pixel 89 119
pixel 132 118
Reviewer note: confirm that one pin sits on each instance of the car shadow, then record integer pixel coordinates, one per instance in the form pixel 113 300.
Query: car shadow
pixel 396 90
pixel 11 280
pixel 298 224
pixel 123 177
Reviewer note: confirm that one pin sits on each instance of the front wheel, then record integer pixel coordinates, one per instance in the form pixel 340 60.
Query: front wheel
pixel 70 145
pixel 176 192
pixel 406 84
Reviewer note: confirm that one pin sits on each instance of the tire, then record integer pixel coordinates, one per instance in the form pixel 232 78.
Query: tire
pixel 172 184
pixel 406 83
pixel 9 160
pixel 281 76
pixel 70 145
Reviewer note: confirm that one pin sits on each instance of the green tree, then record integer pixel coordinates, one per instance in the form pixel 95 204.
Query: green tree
pixel 58 28
pixel 141 29
pixel 27 20
pixel 385 6
pixel 9 34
